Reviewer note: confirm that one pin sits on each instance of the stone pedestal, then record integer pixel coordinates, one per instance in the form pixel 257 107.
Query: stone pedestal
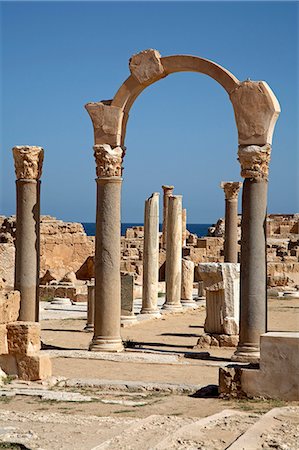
pixel 151 257
pixel 167 192
pixel 107 252
pixel 231 190
pixel 174 254
pixel 187 284
pixel 221 282
pixel 28 166
pixel 90 307
pixel 127 300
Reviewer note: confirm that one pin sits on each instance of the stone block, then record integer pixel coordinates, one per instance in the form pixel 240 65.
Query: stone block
pixel 221 281
pixel 23 338
pixel 32 368
pixel 3 340
pixel 8 364
pixel 9 306
pixel 127 294
pixel 146 66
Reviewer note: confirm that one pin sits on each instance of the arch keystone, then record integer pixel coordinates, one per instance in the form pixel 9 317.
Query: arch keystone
pixel 256 111
pixel 107 122
pixel 146 66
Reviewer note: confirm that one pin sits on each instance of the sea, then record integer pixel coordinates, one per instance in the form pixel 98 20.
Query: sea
pixel 201 229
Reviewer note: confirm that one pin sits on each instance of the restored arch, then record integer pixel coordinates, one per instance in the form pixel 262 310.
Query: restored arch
pixel 256 110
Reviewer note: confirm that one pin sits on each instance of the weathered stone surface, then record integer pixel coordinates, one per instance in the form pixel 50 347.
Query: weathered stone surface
pixel 256 111
pixel 221 281
pixel 127 294
pixel 23 338
pixel 37 367
pixel 230 382
pixel 107 123
pixel 187 279
pixel 231 189
pixel 108 160
pixel 9 306
pixel 28 161
pixel 7 263
pixel 3 339
pixel 146 66
pixel 69 277
pixel 86 271
pixel 254 161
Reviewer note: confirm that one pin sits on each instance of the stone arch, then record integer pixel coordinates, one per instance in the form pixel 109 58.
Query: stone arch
pixel 256 110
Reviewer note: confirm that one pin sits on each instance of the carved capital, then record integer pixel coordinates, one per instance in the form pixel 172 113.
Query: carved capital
pixel 108 160
pixel 28 162
pixel 256 111
pixel 107 122
pixel 254 161
pixel 167 190
pixel 231 189
pixel 146 66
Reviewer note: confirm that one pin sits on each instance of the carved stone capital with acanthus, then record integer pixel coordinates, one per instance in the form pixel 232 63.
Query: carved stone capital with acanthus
pixel 108 160
pixel 28 162
pixel 231 189
pixel 254 160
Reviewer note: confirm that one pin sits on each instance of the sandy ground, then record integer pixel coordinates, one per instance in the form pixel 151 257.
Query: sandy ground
pixel 51 425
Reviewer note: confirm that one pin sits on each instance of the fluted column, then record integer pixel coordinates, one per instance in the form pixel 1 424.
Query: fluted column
pixel 231 190
pixel 174 254
pixel 151 256
pixel 167 192
pixel 107 250
pixel 28 166
pixel 90 307
pixel 254 162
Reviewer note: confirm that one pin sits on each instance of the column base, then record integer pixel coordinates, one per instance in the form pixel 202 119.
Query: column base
pixel 127 320
pixel 151 312
pixel 88 327
pixel 102 344
pixel 197 299
pixel 247 353
pixel 172 307
pixel 189 303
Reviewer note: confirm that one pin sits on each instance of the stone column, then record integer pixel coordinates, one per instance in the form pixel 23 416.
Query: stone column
pixel 167 192
pixel 90 307
pixel 28 166
pixel 174 254
pixel 254 162
pixel 107 250
pixel 187 284
pixel 184 226
pixel 231 190
pixel 151 256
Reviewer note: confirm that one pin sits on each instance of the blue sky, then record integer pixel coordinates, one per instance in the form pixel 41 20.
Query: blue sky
pixel 57 56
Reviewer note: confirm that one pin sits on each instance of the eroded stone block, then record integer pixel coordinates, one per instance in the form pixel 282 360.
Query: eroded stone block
pixel 32 368
pixel 23 338
pixel 146 66
pixel 3 340
pixel 9 306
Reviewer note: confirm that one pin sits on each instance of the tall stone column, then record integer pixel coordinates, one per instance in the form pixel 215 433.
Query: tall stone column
pixel 107 250
pixel 167 192
pixel 187 284
pixel 174 254
pixel 231 190
pixel 28 166
pixel 151 256
pixel 184 226
pixel 254 162
pixel 90 307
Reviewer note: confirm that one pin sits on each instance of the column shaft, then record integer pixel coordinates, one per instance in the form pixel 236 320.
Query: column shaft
pixel 151 256
pixel 167 192
pixel 27 248
pixel 107 266
pixel 253 301
pixel 90 307
pixel 174 254
pixel 231 231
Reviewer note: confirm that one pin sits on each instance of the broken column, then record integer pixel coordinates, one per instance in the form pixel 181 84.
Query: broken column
pixel 127 300
pixel 107 252
pixel 231 190
pixel 184 227
pixel 174 254
pixel 254 162
pixel 28 166
pixel 187 283
pixel 221 281
pixel 167 192
pixel 90 306
pixel 151 256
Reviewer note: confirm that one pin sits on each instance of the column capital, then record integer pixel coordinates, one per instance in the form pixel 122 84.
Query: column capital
pixel 254 160
pixel 231 189
pixel 107 122
pixel 167 189
pixel 108 160
pixel 28 161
